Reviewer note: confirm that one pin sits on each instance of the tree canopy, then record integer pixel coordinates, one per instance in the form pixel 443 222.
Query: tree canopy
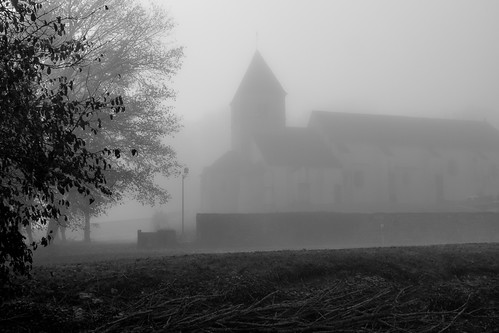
pixel 138 62
pixel 64 135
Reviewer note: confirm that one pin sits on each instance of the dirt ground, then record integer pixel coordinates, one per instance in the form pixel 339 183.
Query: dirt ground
pixel 116 288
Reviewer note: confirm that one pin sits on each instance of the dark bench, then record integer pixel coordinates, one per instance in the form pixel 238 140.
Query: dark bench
pixel 163 238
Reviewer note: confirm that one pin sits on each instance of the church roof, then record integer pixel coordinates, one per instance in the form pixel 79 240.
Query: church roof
pixel 231 161
pixel 403 130
pixel 295 147
pixel 258 79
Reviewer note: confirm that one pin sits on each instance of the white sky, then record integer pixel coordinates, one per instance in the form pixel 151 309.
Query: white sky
pixel 406 57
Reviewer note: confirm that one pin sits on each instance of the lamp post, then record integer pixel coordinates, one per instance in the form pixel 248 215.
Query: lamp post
pixel 184 174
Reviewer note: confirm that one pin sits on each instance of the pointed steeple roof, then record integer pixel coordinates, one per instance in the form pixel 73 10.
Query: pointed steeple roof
pixel 259 79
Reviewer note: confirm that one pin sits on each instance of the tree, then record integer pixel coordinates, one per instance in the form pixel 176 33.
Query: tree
pixel 45 128
pixel 139 60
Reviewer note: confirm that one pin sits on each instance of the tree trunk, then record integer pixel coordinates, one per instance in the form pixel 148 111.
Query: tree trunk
pixel 86 228
pixel 29 232
pixel 63 233
pixel 52 230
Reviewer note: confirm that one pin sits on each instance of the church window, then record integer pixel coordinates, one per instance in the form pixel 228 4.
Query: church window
pixel 385 150
pixel 452 167
pixel 269 195
pixel 439 182
pixel 406 177
pixel 342 147
pixel 358 178
pixel 392 187
pixel 494 171
pixel 304 192
pixel 338 193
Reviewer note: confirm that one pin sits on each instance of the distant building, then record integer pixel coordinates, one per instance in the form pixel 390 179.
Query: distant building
pixel 345 161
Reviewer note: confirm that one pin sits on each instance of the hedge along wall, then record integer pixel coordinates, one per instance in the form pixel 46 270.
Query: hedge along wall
pixel 309 229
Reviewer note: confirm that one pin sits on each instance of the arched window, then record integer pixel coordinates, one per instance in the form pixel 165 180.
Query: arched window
pixel 452 167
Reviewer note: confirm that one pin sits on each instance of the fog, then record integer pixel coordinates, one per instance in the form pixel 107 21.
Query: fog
pixel 407 58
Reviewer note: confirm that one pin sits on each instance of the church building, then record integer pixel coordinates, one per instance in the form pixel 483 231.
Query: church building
pixel 345 161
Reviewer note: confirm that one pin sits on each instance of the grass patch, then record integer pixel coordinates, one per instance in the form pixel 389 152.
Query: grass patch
pixel 434 288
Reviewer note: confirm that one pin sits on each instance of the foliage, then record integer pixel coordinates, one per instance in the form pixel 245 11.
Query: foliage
pixel 139 62
pixel 46 127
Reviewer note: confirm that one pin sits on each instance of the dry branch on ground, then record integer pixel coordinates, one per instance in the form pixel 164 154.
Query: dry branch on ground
pixel 427 289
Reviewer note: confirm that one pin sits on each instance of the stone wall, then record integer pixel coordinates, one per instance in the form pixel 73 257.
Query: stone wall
pixel 319 229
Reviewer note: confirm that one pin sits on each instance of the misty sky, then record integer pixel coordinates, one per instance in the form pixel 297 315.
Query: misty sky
pixel 432 58
pixel 424 58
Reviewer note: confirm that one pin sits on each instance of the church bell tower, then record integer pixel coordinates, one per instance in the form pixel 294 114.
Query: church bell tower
pixel 258 105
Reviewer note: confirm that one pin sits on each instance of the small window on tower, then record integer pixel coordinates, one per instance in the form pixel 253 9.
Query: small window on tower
pixel 261 109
